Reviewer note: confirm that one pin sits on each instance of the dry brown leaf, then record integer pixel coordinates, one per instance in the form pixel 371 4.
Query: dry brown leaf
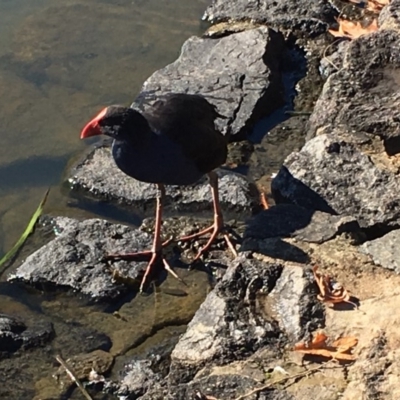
pixel 338 350
pixel 371 5
pixel 331 292
pixel 353 30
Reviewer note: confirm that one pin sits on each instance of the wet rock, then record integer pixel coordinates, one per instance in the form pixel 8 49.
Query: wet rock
pixel 239 74
pixel 364 95
pixel 99 175
pixel 73 258
pixel 73 338
pixel 332 175
pixel 15 334
pixel 82 365
pixel 288 220
pixel 10 330
pixel 385 250
pixel 305 16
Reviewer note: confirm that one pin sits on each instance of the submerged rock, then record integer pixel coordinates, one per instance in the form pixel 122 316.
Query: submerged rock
pixel 15 334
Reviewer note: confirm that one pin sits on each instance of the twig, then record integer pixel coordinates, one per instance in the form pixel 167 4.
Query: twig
pixel 286 378
pixel 73 377
pixel 325 57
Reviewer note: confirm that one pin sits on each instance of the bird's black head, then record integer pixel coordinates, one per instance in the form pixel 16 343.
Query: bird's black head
pixel 117 122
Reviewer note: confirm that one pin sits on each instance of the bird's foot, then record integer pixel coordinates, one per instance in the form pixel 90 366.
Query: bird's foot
pixel 155 259
pixel 138 256
pixel 215 229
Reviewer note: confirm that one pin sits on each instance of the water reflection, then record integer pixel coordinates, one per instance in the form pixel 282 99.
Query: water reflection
pixel 60 62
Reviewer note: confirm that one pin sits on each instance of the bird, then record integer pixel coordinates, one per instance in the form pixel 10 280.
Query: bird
pixel 173 142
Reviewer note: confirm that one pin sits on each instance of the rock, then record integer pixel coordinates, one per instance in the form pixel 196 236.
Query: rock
pixel 83 366
pixel 138 378
pixel 385 250
pixel 224 387
pixel 72 338
pixel 305 16
pixel 364 95
pixel 332 175
pixel 15 334
pixel 99 175
pixel 73 258
pixel 239 74
pixel 333 62
pixel 227 325
pixel 10 330
pixel 288 220
pixel 389 16
pixel 293 305
pixel 238 316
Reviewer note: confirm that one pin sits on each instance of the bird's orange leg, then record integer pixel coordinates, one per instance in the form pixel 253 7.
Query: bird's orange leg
pixel 218 224
pixel 156 250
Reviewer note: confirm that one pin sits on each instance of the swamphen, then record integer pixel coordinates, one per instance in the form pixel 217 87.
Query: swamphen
pixel 174 142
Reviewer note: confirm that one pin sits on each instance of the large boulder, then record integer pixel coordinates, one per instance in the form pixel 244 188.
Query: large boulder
pixel 333 174
pixel 364 95
pixel 307 16
pixel 238 73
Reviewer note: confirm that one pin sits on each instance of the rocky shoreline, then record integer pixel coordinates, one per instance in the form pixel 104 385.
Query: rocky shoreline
pixel 337 207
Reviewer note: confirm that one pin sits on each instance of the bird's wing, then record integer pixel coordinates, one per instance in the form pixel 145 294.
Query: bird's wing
pixel 190 121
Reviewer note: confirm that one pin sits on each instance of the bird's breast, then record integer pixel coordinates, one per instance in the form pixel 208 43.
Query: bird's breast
pixel 160 160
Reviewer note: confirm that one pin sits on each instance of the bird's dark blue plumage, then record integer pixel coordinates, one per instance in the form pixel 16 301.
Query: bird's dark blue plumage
pixel 159 160
pixel 173 142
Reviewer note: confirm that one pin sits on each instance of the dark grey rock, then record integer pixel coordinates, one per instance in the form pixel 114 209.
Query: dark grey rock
pixel 137 379
pixel 332 175
pixel 276 248
pixel 333 62
pixel 224 387
pixel 10 333
pixel 385 251
pixel 73 258
pixel 288 220
pixel 99 175
pixel 364 95
pixel 227 325
pixel 15 334
pixel 238 73
pixel 73 338
pixel 307 16
pixel 294 301
pixel 389 17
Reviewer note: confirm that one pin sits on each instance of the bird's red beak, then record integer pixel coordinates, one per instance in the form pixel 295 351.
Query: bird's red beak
pixel 92 128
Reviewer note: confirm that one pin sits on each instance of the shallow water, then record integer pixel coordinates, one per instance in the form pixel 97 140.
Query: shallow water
pixel 59 63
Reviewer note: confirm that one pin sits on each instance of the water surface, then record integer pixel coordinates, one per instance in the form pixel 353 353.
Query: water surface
pixel 59 63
